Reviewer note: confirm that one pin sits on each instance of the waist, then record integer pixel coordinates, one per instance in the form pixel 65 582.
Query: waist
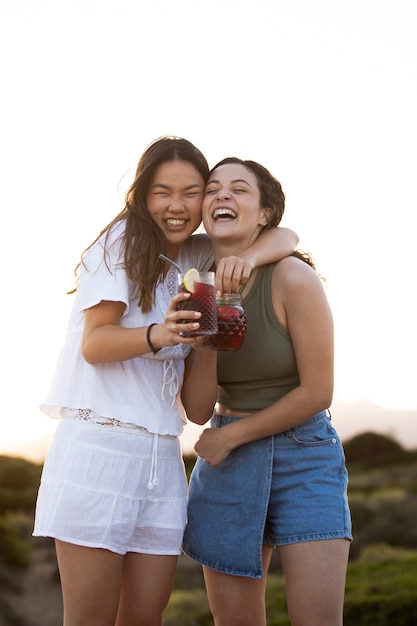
pixel 223 410
pixel 245 397
pixel 87 415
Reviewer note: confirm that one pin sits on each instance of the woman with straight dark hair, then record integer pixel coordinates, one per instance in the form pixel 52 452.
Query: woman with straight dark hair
pixel 113 489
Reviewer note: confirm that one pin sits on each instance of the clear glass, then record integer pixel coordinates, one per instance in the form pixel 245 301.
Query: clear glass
pixel 232 324
pixel 203 300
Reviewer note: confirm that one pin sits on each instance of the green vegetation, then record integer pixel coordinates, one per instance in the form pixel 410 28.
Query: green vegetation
pixel 381 584
pixel 19 483
pixel 15 544
pixel 381 590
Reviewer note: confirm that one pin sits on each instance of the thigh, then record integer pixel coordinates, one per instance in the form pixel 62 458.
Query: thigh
pixel 315 575
pixel 90 581
pixel 147 582
pixel 238 600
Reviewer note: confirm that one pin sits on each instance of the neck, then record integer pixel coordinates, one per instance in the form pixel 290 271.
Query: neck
pixel 172 251
pixel 224 249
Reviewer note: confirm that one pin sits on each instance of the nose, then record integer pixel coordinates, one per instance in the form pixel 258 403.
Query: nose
pixel 176 204
pixel 223 194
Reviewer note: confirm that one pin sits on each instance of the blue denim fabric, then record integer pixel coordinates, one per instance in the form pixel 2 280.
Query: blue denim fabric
pixel 283 489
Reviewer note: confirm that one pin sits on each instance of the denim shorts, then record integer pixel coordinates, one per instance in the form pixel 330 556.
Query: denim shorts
pixel 283 489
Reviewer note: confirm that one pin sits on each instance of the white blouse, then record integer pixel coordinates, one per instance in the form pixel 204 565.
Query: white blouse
pixel 143 391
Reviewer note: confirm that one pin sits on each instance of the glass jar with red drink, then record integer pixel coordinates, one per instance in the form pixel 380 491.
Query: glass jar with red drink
pixel 201 286
pixel 231 322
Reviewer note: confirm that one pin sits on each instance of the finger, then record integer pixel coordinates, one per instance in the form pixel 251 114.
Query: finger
pixel 182 316
pixel 184 329
pixel 224 273
pixel 232 273
pixel 241 276
pixel 178 298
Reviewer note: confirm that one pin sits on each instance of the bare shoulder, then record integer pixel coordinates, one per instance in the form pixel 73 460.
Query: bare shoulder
pixel 295 273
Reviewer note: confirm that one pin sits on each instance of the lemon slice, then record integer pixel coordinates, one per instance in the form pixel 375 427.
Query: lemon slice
pixel 190 277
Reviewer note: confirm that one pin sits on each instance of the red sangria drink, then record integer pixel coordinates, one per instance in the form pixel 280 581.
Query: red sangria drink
pixel 201 286
pixel 232 323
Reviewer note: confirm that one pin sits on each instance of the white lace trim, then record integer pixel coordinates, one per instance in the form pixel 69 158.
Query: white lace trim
pixel 88 415
pixel 169 286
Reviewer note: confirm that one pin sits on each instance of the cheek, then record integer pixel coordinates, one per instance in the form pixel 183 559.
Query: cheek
pixel 156 210
pixel 205 208
pixel 194 210
pixel 152 206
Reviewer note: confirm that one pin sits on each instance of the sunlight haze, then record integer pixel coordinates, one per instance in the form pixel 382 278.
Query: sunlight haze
pixel 322 93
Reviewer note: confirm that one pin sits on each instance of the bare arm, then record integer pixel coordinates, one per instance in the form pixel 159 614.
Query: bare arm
pixel 301 305
pixel 271 246
pixel 199 390
pixel 105 341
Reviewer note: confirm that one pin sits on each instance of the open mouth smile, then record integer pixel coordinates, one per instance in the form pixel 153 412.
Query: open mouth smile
pixel 224 213
pixel 175 222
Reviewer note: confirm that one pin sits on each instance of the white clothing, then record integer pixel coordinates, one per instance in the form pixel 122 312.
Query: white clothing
pixel 143 391
pixel 95 489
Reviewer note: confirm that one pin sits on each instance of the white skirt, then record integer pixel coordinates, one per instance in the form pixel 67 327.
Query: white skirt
pixel 120 489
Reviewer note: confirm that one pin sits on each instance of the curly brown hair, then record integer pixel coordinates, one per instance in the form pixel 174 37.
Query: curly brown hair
pixel 271 197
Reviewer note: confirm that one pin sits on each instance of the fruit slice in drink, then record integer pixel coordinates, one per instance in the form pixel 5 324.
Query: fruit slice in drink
pixel 201 286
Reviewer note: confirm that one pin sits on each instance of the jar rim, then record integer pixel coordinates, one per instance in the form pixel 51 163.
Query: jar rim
pixel 229 298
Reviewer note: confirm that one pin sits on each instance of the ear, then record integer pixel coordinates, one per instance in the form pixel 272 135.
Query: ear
pixel 266 215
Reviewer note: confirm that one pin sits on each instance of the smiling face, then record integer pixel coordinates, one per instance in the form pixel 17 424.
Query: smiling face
pixel 174 201
pixel 232 209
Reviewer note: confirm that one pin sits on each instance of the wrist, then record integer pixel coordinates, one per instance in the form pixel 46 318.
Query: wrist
pixel 249 258
pixel 230 437
pixel 153 348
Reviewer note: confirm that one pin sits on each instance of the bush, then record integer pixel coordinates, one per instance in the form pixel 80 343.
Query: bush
pixel 373 450
pixel 188 608
pixel 381 588
pixel 19 483
pixel 386 516
pixel 15 549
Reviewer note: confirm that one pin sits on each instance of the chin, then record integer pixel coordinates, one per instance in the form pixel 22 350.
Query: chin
pixel 176 239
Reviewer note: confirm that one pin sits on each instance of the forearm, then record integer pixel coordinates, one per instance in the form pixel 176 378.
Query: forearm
pixel 105 341
pixel 110 343
pixel 271 246
pixel 199 390
pixel 292 409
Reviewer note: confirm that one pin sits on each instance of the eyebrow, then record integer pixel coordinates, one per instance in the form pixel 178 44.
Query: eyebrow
pixel 189 188
pixel 233 182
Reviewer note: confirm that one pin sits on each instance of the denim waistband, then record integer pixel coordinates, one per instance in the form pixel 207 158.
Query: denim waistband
pixel 219 419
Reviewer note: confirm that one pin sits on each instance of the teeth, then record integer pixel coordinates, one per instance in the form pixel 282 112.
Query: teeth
pixel 224 213
pixel 175 222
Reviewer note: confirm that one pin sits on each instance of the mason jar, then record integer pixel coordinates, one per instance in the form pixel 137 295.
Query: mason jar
pixel 231 322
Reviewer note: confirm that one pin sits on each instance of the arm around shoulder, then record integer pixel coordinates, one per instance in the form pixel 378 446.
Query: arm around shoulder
pixel 272 245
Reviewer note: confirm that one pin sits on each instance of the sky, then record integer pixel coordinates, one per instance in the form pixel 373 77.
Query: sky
pixel 322 93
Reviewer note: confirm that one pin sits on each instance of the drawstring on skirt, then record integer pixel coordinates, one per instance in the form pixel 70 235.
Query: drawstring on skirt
pixel 153 478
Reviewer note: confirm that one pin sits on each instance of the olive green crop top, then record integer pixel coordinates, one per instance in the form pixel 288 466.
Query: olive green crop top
pixel 264 369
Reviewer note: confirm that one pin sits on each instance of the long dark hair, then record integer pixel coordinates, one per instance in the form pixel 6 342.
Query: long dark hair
pixel 143 240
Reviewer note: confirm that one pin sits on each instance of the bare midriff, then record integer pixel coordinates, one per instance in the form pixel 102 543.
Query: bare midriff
pixel 223 410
